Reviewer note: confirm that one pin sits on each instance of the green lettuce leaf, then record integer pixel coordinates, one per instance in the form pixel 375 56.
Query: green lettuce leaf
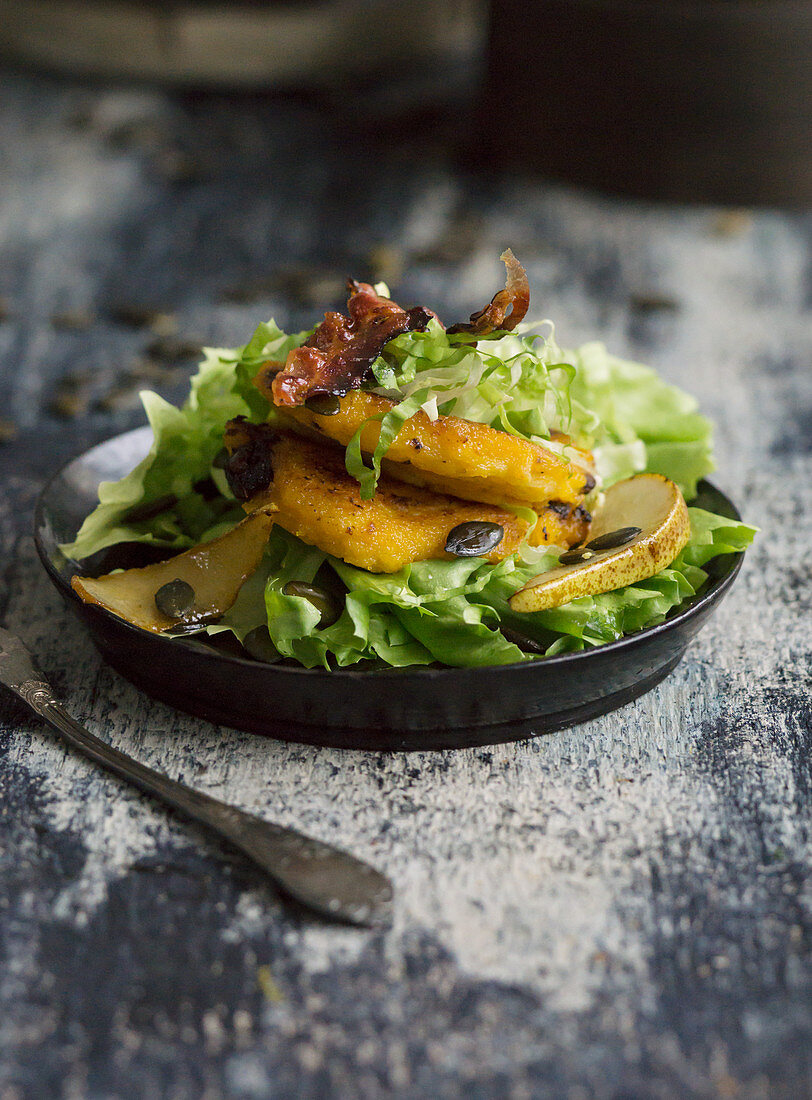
pixel 636 421
pixel 186 442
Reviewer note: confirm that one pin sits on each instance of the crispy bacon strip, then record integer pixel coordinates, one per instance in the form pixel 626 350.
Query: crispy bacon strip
pixel 515 296
pixel 337 357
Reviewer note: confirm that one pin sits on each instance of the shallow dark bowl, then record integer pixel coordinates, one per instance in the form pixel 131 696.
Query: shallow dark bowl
pixel 418 708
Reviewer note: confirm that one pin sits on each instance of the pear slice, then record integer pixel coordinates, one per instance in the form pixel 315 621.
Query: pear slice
pixel 649 502
pixel 215 570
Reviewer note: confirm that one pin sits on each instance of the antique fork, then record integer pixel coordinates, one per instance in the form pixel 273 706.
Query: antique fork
pixel 322 878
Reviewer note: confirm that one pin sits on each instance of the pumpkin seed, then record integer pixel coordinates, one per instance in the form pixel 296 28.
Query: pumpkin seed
pixel 528 645
pixel 473 538
pixel 258 643
pixel 249 469
pixel 323 403
pixel 573 557
pixel 194 626
pixel 175 598
pixel 321 600
pixel 613 539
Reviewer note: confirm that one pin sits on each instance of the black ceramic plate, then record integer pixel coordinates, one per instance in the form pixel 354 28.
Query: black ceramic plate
pixel 418 708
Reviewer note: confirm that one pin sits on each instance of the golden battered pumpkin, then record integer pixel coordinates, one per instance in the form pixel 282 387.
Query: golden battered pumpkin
pixel 461 457
pixel 315 498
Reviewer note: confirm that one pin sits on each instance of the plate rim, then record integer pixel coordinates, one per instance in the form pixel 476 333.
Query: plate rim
pixel 715 590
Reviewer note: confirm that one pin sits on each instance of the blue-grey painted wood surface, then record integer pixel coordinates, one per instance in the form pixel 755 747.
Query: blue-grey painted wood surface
pixel 619 910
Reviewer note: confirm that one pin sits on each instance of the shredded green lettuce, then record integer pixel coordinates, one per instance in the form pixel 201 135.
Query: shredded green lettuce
pixel 391 423
pixel 525 384
pixel 510 381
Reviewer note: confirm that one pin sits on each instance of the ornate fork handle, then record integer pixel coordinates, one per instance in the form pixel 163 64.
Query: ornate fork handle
pixel 317 875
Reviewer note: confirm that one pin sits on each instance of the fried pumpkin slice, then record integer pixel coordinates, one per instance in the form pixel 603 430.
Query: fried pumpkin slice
pixel 317 500
pixel 560 525
pixel 216 571
pixel 459 457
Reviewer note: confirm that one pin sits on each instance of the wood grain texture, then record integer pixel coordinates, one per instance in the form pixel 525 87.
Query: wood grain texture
pixel 617 910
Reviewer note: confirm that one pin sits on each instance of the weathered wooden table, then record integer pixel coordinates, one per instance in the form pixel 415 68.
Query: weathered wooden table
pixel 617 910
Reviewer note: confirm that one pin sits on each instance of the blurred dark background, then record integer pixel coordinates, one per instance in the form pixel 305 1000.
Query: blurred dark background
pixel 706 100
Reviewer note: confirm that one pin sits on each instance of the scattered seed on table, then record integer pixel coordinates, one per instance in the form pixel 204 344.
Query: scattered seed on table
pixel 8 430
pixel 653 303
pixel 174 349
pixel 160 321
pixel 73 320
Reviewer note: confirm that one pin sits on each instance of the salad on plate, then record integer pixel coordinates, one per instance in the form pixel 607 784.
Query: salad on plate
pixel 386 491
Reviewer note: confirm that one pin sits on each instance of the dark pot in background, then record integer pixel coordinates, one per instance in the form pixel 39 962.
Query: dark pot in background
pixel 706 101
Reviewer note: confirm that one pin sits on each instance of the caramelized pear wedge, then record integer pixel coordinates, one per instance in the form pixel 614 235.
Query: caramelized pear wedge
pixel 215 572
pixel 648 502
